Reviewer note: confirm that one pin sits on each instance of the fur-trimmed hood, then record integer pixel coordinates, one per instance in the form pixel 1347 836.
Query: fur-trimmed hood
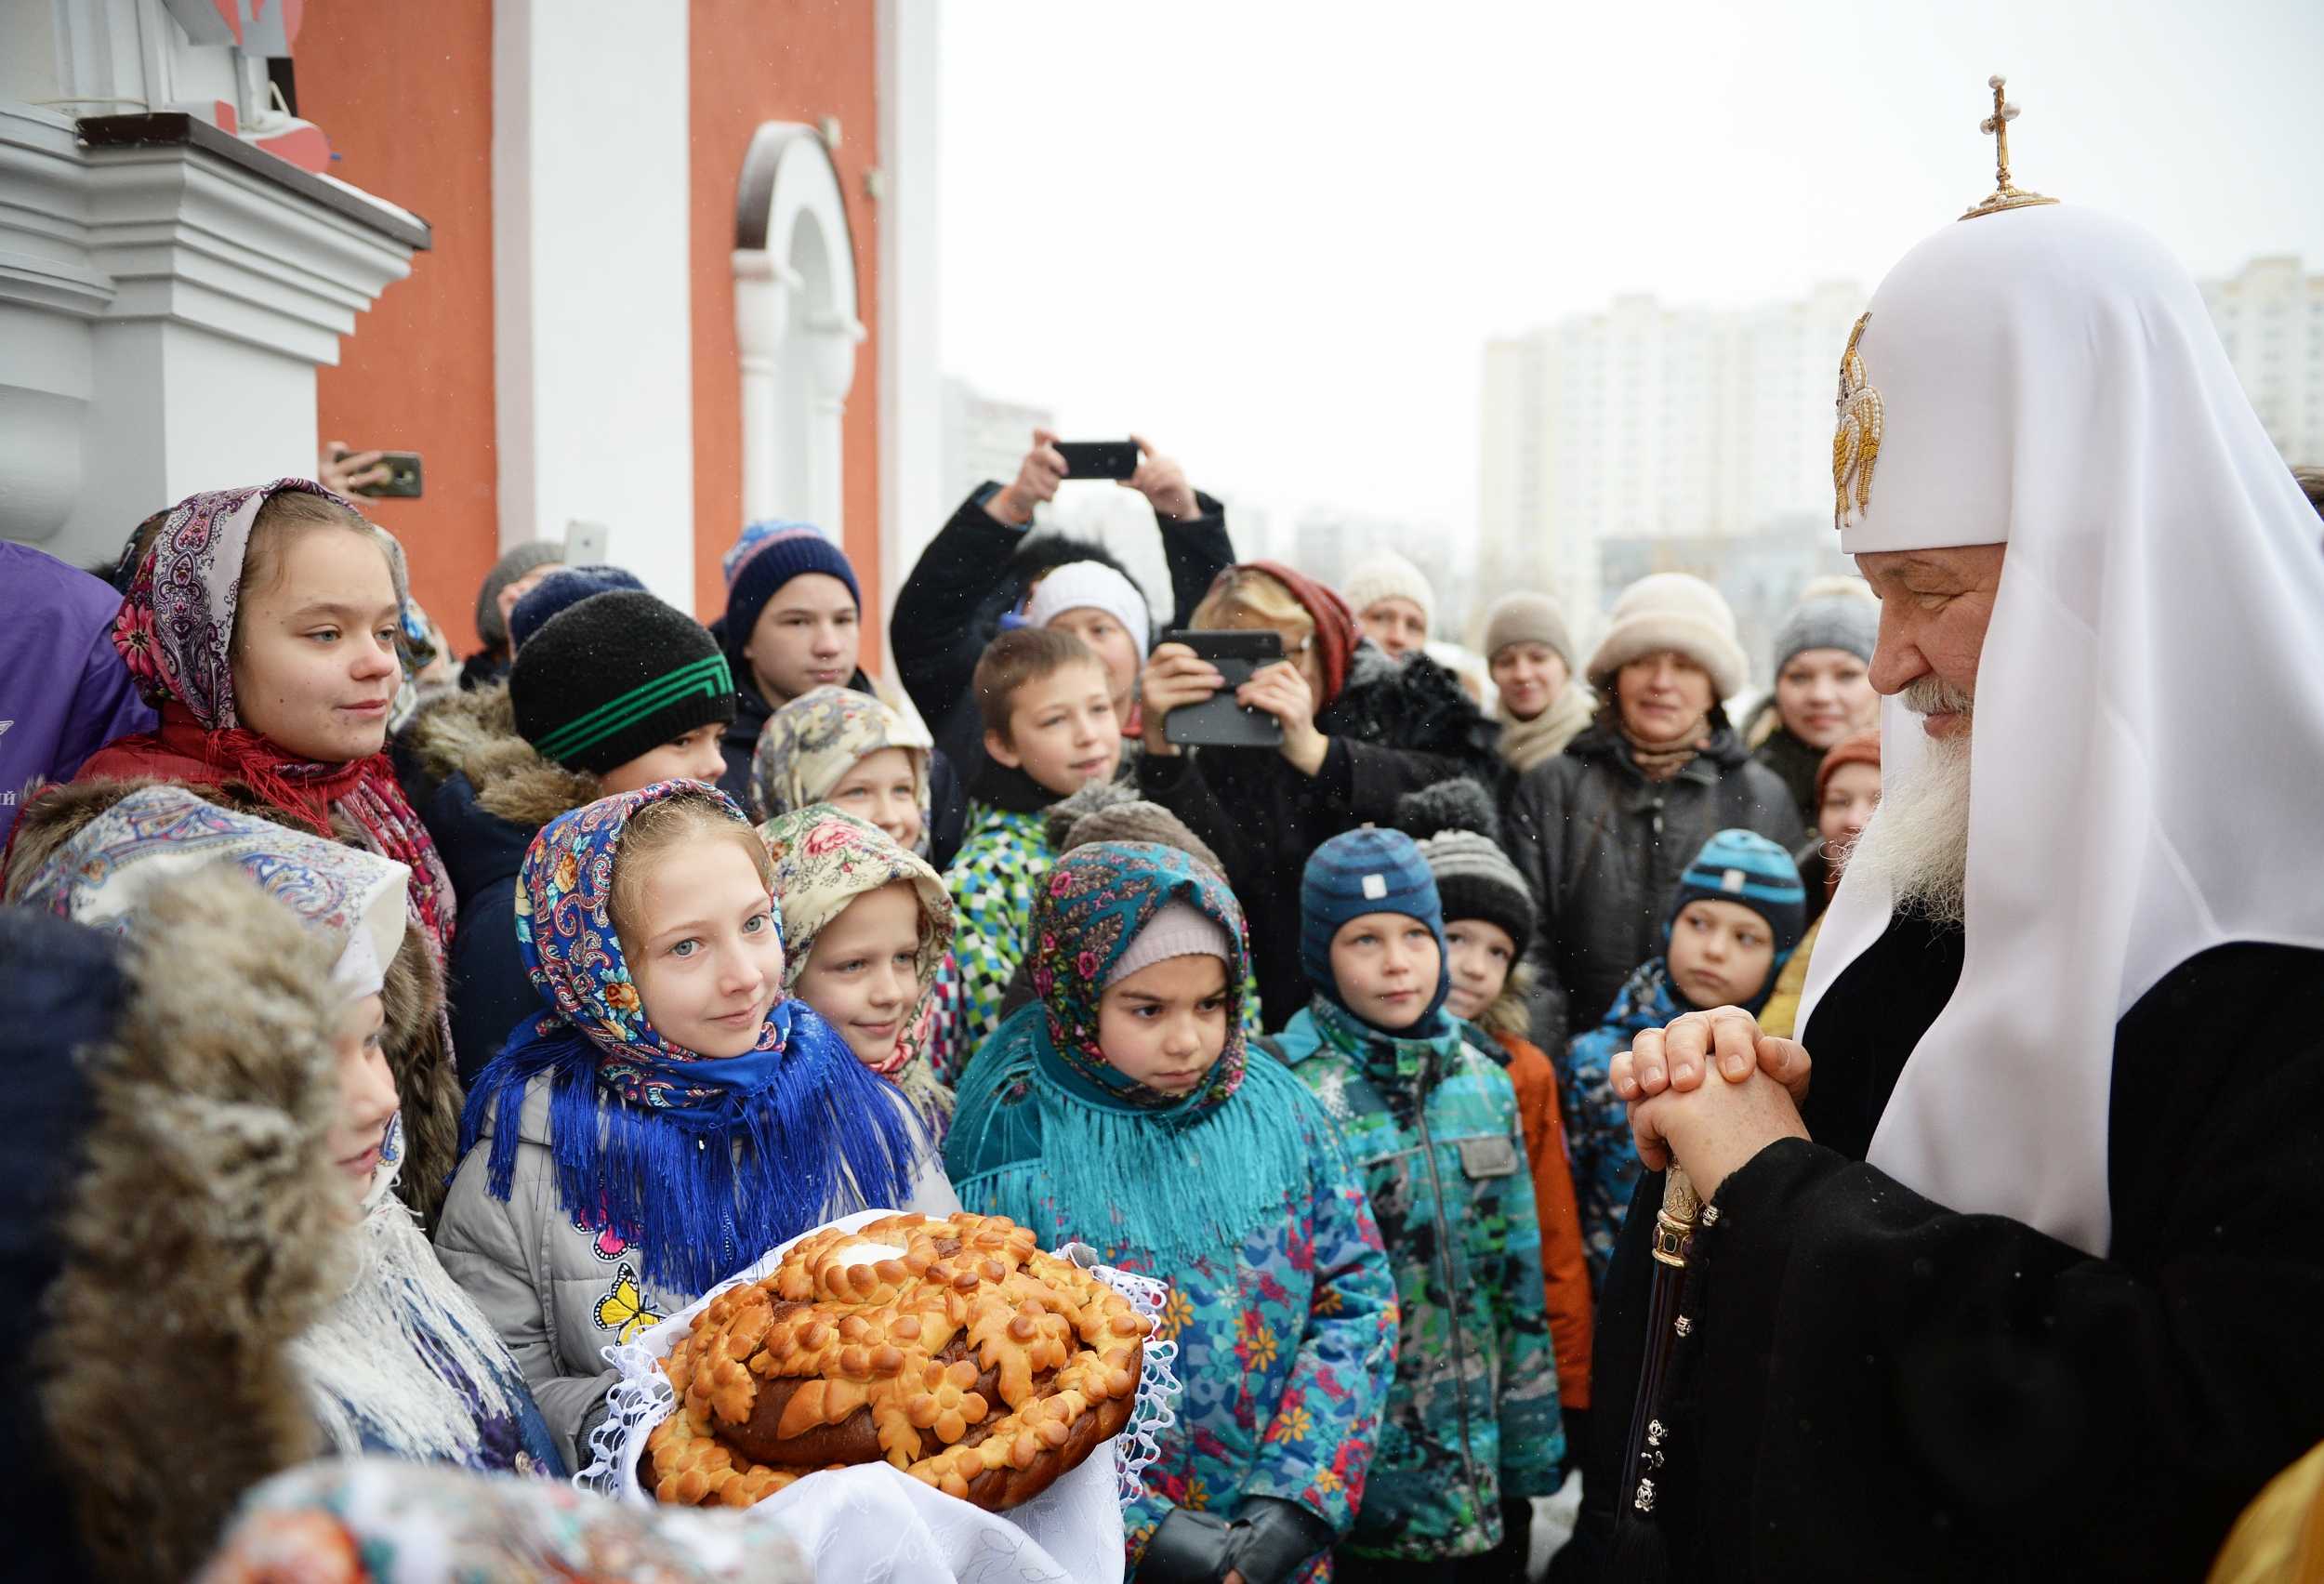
pixel 475 735
pixel 1413 704
pixel 425 1080
pixel 201 1234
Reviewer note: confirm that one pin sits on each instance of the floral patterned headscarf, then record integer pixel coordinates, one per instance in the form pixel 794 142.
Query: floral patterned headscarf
pixel 176 632
pixel 646 1132
pixel 1093 904
pixel 808 746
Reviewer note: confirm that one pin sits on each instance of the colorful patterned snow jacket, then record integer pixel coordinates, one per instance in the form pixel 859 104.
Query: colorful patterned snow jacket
pixel 1239 1194
pixel 992 879
pixel 1473 1419
pixel 1597 1124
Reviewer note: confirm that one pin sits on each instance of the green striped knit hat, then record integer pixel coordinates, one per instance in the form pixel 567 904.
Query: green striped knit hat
pixel 616 676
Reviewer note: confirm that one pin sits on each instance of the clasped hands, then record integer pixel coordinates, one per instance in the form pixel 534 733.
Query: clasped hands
pixel 1711 1091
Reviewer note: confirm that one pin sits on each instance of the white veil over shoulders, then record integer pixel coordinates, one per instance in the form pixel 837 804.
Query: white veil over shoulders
pixel 2147 762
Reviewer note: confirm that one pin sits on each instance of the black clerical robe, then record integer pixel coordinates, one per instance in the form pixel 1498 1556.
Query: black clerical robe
pixel 1876 1387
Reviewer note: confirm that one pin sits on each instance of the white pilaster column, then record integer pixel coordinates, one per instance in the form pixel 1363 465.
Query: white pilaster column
pixel 911 397
pixel 594 334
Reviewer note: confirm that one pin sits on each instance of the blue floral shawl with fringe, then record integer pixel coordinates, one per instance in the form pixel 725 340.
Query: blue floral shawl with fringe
pixel 702 1164
pixel 1177 1177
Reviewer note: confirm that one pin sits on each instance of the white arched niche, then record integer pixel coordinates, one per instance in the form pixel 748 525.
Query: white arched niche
pixel 794 327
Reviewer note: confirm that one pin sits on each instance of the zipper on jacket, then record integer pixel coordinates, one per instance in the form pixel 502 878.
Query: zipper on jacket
pixel 1458 1297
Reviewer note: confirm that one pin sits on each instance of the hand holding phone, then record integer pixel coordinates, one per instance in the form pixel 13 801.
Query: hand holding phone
pixel 377 473
pixel 1216 719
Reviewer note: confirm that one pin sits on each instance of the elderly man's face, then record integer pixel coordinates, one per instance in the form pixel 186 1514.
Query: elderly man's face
pixel 1934 605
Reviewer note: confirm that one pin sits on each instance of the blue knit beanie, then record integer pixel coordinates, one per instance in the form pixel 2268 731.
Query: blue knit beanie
pixel 1743 867
pixel 561 589
pixel 1359 872
pixel 769 553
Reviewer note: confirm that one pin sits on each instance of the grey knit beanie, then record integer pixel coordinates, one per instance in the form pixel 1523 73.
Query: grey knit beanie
pixel 1178 930
pixel 1460 837
pixel 1833 612
pixel 1527 618
pixel 507 570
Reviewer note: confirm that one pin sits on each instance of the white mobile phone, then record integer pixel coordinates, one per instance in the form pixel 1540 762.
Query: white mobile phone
pixel 585 543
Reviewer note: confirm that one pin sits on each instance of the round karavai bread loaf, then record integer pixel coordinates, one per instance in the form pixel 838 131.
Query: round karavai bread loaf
pixel 953 1348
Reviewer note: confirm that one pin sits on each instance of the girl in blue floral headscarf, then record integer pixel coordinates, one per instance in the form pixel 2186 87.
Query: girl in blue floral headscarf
pixel 671 1115
pixel 1122 1109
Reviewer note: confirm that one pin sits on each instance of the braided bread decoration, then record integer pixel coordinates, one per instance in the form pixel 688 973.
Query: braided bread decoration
pixel 953 1348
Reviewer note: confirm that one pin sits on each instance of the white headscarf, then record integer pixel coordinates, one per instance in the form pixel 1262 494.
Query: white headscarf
pixel 2149 721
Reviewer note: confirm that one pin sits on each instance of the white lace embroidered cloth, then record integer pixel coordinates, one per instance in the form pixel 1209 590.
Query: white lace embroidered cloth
pixel 875 1522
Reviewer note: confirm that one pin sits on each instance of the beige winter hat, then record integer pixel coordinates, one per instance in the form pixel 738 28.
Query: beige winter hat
pixel 1672 610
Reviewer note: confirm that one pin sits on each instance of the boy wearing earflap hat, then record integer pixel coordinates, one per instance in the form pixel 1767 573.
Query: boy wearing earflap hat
pixel 1488 926
pixel 1472 1424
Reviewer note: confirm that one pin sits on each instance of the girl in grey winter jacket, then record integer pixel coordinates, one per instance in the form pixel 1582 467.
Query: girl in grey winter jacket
pixel 660 1126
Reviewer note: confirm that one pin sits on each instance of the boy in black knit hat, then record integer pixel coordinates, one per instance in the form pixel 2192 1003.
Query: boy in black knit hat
pixel 1488 924
pixel 613 693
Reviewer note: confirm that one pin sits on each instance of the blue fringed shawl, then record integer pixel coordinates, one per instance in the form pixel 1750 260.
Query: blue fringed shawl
pixel 701 1189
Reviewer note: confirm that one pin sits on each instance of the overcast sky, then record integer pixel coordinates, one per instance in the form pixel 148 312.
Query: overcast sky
pixel 1276 236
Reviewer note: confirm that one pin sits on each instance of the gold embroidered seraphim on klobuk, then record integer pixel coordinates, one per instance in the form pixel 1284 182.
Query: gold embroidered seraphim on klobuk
pixel 1996 126
pixel 1855 443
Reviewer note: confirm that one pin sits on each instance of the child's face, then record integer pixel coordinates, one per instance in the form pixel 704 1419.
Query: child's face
pixel 707 960
pixel 883 788
pixel 693 756
pixel 1111 643
pixel 314 659
pixel 1165 1024
pixel 366 1096
pixel 807 637
pixel 862 973
pixel 1063 730
pixel 1850 796
pixel 1478 957
pixel 1721 953
pixel 1386 966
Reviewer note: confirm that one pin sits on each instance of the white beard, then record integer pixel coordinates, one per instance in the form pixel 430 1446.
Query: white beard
pixel 1917 840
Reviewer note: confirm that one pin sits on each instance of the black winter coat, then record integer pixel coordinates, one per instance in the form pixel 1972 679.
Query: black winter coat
pixel 1393 729
pixel 976 570
pixel 489 991
pixel 1887 1388
pixel 948 803
pixel 1603 849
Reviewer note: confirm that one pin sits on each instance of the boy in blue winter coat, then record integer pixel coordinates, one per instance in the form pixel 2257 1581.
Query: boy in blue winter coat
pixel 1739 915
pixel 1471 1427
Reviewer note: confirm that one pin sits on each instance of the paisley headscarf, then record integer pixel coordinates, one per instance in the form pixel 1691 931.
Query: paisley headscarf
pixel 824 858
pixel 175 631
pixel 646 1132
pixel 808 746
pixel 1174 1176
pixel 108 867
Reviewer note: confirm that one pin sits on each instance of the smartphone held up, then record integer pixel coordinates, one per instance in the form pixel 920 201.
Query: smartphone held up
pixel 1220 721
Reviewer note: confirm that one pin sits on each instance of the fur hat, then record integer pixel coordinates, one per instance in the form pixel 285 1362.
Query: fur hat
pixel 1672 610
pixel 1526 617
pixel 1460 835
pixel 1384 574
pixel 507 570
pixel 1833 612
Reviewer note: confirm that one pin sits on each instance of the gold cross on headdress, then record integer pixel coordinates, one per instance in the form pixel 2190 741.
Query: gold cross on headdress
pixel 1996 126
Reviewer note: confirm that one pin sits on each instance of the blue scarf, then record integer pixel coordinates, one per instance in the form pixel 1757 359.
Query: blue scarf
pixel 702 1164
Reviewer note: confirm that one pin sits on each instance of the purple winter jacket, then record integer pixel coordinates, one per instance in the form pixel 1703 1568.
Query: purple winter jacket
pixel 64 692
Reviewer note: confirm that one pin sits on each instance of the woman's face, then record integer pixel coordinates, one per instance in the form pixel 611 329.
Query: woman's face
pixel 314 659
pixel 1299 646
pixel 1395 624
pixel 1662 695
pixel 1825 694
pixel 367 1098
pixel 707 959
pixel 883 788
pixel 1530 676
